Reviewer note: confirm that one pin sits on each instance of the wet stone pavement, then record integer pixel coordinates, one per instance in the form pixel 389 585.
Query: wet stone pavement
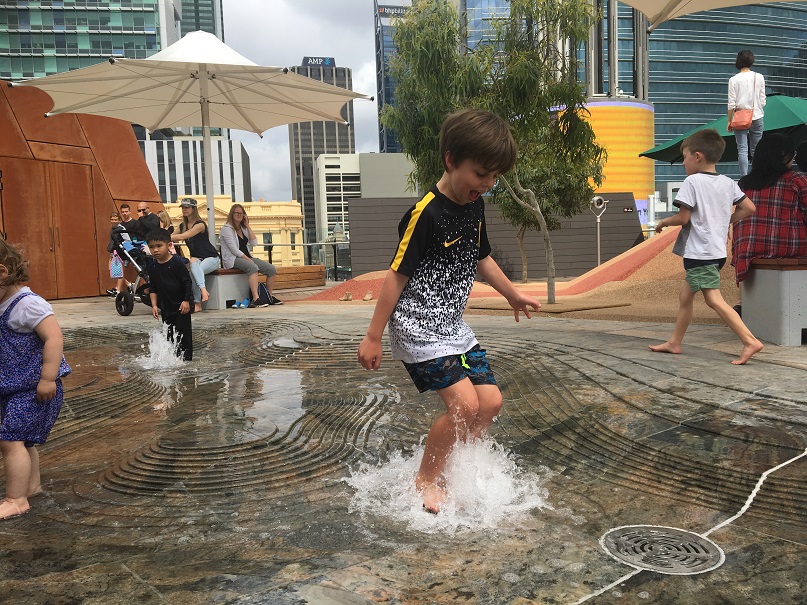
pixel 228 479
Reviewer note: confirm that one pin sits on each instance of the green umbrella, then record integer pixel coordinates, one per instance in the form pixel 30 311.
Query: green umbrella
pixel 783 114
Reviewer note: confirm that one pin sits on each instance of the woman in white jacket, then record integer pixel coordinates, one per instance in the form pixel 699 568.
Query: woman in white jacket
pixel 747 91
pixel 235 238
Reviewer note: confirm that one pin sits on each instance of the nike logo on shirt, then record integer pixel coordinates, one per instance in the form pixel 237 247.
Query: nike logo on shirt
pixel 452 242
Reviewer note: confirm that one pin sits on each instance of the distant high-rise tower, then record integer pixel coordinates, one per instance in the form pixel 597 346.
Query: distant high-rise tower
pixel 44 38
pixel 307 140
pixel 203 15
pixel 478 17
pixel 385 49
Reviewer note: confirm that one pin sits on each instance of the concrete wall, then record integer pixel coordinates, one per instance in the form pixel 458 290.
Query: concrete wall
pixel 384 175
pixel 374 235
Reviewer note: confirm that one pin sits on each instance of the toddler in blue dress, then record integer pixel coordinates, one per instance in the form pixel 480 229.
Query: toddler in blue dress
pixel 31 366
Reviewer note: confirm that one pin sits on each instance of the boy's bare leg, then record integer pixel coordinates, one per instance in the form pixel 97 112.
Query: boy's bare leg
pixel 686 298
pixel 490 402
pixel 462 407
pixel 751 345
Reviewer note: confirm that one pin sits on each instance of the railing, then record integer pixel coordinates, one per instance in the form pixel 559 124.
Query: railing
pixel 334 255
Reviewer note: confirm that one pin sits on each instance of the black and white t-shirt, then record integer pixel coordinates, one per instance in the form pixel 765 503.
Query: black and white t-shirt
pixel 441 243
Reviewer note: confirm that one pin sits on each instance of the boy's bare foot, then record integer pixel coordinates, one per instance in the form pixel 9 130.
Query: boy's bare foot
pixel 748 350
pixel 666 347
pixel 36 491
pixel 10 508
pixel 434 495
pixel 197 307
pixel 205 294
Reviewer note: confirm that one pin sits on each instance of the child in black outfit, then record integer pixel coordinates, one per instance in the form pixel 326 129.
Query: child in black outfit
pixel 171 292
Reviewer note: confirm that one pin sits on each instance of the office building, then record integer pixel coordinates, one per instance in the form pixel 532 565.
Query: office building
pixel 176 166
pixel 41 38
pixel 691 59
pixel 385 49
pixel 203 15
pixel 307 140
pixel 337 180
pixel 477 18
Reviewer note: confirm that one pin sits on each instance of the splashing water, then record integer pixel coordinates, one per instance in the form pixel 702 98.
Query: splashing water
pixel 486 490
pixel 162 352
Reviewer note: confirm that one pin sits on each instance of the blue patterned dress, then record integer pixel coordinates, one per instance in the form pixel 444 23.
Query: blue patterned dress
pixel 22 417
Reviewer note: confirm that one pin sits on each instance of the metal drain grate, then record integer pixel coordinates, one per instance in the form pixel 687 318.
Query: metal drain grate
pixel 664 550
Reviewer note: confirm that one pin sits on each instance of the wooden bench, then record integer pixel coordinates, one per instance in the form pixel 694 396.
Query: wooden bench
pixel 774 300
pixel 226 287
pixel 305 276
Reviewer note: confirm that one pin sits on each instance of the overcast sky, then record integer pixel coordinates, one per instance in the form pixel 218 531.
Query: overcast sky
pixel 281 33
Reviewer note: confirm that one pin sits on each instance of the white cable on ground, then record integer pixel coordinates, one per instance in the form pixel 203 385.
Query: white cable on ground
pixel 609 587
pixel 739 514
pixel 750 499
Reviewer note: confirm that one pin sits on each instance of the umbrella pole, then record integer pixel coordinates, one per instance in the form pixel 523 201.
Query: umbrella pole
pixel 208 151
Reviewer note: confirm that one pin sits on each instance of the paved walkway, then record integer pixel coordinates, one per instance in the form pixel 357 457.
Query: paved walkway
pixel 272 469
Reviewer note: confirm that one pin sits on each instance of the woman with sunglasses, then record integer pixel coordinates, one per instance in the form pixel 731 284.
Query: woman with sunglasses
pixel 204 257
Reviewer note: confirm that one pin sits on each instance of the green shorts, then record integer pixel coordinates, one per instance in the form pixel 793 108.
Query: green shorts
pixel 705 277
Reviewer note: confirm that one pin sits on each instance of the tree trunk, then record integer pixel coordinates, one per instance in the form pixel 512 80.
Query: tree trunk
pixel 526 198
pixel 520 238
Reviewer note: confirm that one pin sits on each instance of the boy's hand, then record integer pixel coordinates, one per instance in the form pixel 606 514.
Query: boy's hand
pixel 659 226
pixel 521 302
pixel 370 353
pixel 155 311
pixel 184 307
pixel 45 390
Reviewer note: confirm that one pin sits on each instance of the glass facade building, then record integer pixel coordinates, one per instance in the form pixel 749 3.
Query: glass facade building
pixel 203 15
pixel 385 49
pixel 479 16
pixel 307 140
pixel 691 59
pixel 44 37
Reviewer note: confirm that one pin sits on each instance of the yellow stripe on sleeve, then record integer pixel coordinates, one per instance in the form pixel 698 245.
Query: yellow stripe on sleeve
pixel 410 228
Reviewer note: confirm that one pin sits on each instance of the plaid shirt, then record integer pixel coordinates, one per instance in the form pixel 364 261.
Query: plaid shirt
pixel 778 229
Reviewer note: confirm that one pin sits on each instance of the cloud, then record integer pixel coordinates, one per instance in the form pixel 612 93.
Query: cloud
pixel 282 32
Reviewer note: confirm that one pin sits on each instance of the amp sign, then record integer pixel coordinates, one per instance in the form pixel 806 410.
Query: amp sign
pixel 318 62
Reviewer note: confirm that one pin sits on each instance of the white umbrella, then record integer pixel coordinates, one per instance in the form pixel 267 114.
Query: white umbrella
pixel 659 11
pixel 198 81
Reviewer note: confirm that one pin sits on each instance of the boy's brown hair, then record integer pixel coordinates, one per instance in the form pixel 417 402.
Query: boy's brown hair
pixel 478 135
pixel 708 142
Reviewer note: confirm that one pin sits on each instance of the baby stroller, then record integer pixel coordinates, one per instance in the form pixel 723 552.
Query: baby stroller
pixel 133 251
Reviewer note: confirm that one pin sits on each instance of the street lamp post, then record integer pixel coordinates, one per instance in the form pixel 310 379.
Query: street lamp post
pixel 597 207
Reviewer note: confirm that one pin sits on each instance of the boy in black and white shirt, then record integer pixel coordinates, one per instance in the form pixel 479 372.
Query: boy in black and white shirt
pixel 443 244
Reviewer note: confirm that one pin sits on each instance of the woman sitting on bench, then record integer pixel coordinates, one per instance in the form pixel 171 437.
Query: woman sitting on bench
pixel 204 256
pixel 778 229
pixel 235 238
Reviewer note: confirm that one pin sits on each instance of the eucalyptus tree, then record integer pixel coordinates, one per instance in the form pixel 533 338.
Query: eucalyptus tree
pixel 525 72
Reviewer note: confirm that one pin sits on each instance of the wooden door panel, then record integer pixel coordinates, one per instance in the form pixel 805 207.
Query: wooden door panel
pixel 27 220
pixel 71 196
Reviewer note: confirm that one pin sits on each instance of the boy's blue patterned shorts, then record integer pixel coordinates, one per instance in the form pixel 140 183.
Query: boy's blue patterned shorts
pixel 442 372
